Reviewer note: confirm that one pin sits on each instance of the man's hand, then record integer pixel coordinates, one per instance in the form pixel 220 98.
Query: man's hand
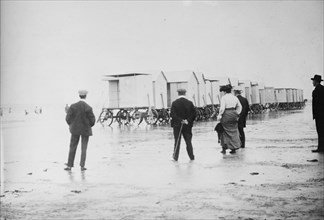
pixel 219 117
pixel 184 121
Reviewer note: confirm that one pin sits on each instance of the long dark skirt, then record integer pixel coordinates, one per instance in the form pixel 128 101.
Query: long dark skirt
pixel 230 138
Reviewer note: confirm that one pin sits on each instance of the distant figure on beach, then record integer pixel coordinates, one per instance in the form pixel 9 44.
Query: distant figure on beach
pixel 318 111
pixel 244 113
pixel 183 114
pixel 26 112
pixel 80 119
pixel 230 108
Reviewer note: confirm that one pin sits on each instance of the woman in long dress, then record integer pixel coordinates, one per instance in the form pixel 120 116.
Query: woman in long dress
pixel 230 108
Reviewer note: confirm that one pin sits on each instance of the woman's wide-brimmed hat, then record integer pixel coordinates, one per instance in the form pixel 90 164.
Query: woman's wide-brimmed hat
pixel 317 78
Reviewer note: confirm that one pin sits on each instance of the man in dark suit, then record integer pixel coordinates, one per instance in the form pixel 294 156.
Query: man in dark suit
pixel 80 119
pixel 318 111
pixel 183 114
pixel 244 113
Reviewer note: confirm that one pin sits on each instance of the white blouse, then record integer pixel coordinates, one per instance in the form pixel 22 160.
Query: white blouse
pixel 230 101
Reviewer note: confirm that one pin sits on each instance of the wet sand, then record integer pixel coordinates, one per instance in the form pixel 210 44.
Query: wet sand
pixel 131 176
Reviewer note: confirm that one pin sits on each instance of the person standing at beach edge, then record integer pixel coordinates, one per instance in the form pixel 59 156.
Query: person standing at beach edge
pixel 230 108
pixel 80 119
pixel 318 111
pixel 183 114
pixel 244 113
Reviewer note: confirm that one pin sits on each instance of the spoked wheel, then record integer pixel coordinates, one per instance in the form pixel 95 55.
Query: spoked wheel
pixel 123 117
pixel 151 116
pixel 164 116
pixel 137 117
pixel 106 117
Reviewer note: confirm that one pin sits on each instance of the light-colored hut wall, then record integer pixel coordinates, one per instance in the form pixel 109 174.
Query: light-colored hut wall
pixel 255 93
pixel 281 95
pixel 208 93
pixel 173 91
pixel 262 96
pixel 289 95
pixel 234 82
pixel 193 90
pixel 295 99
pixel 269 95
pixel 215 92
pixel 113 95
pixel 127 92
pixel 135 91
pixel 201 98
pixel 246 86
pixel 300 95
pixel 160 92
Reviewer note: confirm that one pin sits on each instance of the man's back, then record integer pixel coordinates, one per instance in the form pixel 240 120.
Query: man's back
pixel 318 101
pixel 181 109
pixel 80 118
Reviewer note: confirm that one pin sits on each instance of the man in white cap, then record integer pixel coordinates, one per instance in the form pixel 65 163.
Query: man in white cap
pixel 183 114
pixel 80 119
pixel 318 111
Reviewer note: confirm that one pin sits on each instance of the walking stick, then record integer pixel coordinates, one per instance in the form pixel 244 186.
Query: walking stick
pixel 176 147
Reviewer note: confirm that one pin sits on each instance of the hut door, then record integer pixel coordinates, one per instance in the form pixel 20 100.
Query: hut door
pixel 114 93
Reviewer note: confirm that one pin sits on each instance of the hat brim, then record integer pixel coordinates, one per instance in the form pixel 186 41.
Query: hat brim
pixel 316 79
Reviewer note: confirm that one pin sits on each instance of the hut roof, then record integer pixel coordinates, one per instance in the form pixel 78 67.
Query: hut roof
pixel 179 76
pixel 125 74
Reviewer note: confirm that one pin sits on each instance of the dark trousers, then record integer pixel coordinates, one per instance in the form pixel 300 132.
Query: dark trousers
pixel 73 147
pixel 319 122
pixel 187 135
pixel 242 135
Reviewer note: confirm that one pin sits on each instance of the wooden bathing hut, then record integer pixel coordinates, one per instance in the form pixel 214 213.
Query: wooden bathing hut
pixel 300 97
pixel 201 100
pixel 290 95
pixel 209 100
pixel 182 79
pixel 295 100
pixel 256 86
pixel 159 84
pixel 215 82
pixel 129 90
pixel 281 95
pixel 267 96
pixel 247 92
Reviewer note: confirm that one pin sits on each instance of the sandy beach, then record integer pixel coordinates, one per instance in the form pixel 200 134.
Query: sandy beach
pixel 131 176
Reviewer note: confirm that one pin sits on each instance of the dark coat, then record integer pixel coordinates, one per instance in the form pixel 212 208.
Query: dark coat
pixel 80 119
pixel 182 109
pixel 318 102
pixel 245 110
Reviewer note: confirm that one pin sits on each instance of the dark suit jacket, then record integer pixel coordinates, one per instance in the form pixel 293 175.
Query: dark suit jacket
pixel 245 110
pixel 318 102
pixel 182 109
pixel 80 119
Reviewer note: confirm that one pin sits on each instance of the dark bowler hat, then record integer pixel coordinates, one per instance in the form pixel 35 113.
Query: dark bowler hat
pixel 317 78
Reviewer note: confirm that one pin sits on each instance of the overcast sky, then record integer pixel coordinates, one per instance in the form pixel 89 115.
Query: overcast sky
pixel 50 49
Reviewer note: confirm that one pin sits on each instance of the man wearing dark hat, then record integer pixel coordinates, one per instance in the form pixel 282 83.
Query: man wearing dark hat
pixel 318 111
pixel 183 114
pixel 244 113
pixel 80 119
